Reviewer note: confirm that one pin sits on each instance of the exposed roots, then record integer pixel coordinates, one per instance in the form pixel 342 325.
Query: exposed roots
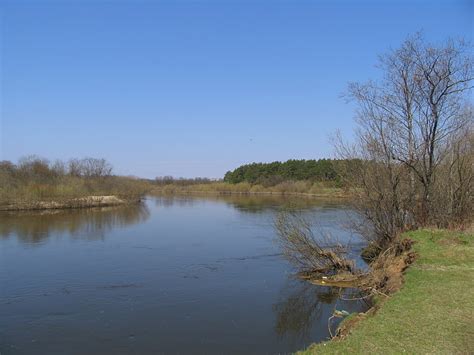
pixel 386 272
pixel 385 277
pixel 322 262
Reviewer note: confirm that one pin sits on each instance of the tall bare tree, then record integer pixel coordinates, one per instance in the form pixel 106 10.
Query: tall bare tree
pixel 407 124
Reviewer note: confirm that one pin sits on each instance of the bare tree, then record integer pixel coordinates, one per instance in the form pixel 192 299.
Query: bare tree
pixel 407 125
pixel 34 168
pixel 310 255
pixel 74 167
pixel 452 196
pixel 92 167
pixel 89 167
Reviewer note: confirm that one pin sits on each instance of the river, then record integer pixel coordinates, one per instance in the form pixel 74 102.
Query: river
pixel 172 275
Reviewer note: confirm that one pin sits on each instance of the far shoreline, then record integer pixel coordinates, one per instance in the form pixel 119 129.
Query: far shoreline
pixel 289 188
pixel 253 193
pixel 114 200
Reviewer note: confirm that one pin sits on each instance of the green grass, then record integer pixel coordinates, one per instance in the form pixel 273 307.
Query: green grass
pixel 433 313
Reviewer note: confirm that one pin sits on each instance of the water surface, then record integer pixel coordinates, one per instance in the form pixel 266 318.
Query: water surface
pixel 173 275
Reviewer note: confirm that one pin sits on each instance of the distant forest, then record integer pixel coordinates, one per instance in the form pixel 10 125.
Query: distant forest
pixel 269 174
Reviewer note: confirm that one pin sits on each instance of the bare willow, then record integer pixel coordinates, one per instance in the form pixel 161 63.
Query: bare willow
pixel 306 252
pixel 413 138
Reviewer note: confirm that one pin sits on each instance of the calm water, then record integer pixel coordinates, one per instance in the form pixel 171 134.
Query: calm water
pixel 174 275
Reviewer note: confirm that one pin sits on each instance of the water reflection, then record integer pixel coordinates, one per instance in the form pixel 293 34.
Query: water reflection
pixel 251 203
pixel 303 307
pixel 187 275
pixel 33 227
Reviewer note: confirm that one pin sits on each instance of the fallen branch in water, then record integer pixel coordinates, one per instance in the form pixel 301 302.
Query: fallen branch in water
pixel 322 260
pixel 310 255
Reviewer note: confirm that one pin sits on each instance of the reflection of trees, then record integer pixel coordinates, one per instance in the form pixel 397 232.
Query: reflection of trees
pixel 170 201
pixel 263 202
pixel 251 203
pixel 304 305
pixel 89 223
pixel 297 312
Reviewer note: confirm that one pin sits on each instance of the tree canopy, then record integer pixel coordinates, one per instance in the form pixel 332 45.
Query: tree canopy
pixel 275 172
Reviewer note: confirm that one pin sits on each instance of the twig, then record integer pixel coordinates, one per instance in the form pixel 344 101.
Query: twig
pixel 355 299
pixel 329 326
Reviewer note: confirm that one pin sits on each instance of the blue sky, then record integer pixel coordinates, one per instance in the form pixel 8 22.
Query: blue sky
pixel 195 88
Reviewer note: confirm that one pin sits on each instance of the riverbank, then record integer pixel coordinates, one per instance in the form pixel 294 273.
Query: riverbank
pixel 432 313
pixel 296 188
pixel 82 202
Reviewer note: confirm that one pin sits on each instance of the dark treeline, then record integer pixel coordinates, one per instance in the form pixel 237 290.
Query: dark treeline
pixel 34 178
pixel 270 174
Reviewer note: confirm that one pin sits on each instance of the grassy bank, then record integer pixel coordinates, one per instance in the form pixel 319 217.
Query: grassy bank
pixel 285 188
pixel 432 313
